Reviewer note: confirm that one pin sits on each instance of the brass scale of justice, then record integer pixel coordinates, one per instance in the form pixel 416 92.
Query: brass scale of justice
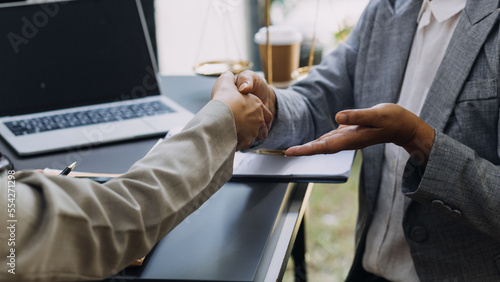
pixel 216 68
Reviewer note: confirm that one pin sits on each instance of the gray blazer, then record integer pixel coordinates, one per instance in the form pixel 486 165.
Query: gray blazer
pixel 451 211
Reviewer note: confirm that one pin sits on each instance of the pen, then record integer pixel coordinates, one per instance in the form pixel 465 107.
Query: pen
pixel 270 152
pixel 68 169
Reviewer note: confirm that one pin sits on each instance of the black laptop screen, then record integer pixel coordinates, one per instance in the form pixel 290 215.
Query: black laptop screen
pixel 65 54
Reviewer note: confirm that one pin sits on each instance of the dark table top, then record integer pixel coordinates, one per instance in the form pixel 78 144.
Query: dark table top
pixel 224 240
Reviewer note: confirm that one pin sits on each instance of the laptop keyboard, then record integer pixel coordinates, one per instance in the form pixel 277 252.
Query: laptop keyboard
pixel 75 119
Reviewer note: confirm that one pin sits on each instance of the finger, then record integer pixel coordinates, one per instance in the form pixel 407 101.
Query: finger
pixel 311 148
pixel 266 126
pixel 344 138
pixel 268 117
pixel 246 82
pixel 263 132
pixel 226 79
pixel 245 144
pixel 227 74
pixel 330 134
pixel 365 117
pixel 224 86
pixel 295 151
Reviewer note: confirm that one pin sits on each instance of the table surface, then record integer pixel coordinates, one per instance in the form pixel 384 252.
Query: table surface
pixel 191 92
pixel 234 236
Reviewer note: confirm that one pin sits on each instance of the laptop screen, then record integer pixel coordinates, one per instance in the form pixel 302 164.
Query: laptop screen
pixel 65 54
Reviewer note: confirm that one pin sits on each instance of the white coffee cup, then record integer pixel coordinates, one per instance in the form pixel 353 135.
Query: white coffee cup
pixel 285 47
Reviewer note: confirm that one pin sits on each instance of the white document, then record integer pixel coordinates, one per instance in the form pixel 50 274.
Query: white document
pixel 317 168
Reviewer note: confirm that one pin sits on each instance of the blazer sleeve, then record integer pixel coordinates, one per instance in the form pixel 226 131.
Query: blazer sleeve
pixel 76 229
pixel 459 183
pixel 306 110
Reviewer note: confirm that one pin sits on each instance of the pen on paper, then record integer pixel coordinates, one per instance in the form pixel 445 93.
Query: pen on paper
pixel 68 169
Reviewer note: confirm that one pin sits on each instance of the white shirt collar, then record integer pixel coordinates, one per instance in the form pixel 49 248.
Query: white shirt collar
pixel 441 9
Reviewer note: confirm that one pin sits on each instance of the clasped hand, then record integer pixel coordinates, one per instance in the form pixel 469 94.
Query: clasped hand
pixel 252 118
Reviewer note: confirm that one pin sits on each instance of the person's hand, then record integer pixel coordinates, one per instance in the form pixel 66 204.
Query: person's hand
pixel 251 116
pixel 250 82
pixel 383 123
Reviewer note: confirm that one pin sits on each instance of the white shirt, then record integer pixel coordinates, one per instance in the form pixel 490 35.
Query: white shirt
pixel 387 253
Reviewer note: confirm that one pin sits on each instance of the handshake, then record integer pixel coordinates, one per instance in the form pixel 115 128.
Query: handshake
pixel 252 102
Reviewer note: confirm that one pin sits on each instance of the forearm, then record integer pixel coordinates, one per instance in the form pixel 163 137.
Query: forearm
pixel 293 123
pixel 306 110
pixel 72 229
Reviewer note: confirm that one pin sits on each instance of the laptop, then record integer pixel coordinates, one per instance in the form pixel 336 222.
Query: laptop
pixel 79 73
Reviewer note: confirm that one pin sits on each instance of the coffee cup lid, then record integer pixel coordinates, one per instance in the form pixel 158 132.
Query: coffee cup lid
pixel 279 35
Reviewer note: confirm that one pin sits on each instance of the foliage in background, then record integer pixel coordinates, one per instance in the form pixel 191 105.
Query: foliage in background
pixel 343 33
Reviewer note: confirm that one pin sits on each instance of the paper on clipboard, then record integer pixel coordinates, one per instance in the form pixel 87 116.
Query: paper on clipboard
pixel 317 168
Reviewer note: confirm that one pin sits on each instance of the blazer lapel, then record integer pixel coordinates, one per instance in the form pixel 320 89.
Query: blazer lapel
pixel 390 47
pixel 476 21
pixel 472 29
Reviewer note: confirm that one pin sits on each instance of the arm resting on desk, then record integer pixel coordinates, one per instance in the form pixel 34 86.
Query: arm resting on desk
pixel 74 229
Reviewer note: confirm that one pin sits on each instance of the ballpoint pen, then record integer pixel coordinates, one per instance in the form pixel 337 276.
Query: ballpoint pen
pixel 68 169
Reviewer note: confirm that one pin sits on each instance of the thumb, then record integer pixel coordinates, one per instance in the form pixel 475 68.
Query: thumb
pixel 227 77
pixel 348 117
pixel 246 82
pixel 365 117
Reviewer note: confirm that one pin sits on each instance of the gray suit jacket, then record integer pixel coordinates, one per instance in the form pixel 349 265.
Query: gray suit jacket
pixel 75 229
pixel 451 211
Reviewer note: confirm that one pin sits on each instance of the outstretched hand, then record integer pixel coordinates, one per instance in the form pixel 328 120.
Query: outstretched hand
pixel 252 118
pixel 383 123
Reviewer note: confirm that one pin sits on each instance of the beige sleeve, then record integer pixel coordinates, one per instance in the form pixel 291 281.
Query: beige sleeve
pixel 76 229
